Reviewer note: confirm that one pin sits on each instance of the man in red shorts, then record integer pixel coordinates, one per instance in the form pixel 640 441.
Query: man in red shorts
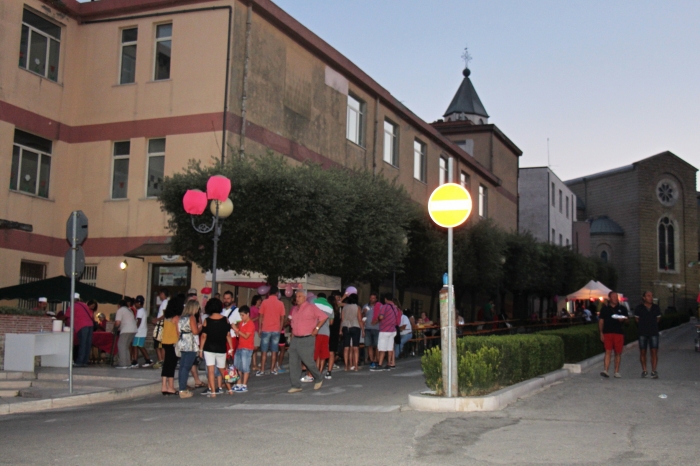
pixel 613 316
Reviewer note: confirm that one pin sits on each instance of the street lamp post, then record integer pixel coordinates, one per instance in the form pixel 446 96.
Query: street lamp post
pixel 221 207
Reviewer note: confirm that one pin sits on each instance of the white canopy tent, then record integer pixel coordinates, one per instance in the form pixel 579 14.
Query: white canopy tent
pixel 592 290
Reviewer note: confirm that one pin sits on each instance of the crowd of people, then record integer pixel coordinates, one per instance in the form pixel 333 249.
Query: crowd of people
pixel 316 333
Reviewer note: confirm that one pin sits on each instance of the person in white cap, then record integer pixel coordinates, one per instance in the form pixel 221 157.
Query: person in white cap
pixel 42 305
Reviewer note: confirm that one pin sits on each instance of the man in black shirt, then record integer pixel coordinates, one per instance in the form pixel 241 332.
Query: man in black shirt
pixel 612 318
pixel 648 315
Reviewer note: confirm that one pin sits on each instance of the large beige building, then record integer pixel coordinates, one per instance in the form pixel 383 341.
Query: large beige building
pixel 100 101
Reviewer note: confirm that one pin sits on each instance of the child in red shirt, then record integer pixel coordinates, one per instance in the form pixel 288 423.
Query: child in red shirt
pixel 245 331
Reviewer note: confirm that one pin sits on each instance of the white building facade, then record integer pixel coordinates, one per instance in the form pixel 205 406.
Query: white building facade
pixel 547 207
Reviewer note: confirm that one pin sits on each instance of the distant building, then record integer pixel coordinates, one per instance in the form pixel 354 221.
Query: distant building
pixel 644 220
pixel 546 206
pixel 466 125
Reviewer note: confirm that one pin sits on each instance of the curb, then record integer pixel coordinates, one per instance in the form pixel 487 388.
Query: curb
pixel 80 400
pixel 493 402
pixel 424 401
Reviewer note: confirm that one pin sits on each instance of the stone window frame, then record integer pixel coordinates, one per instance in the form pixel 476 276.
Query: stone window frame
pixel 360 112
pixel 125 44
pixel 667 222
pixel 34 24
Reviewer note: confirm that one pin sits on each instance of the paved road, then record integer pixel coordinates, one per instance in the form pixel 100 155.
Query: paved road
pixel 362 419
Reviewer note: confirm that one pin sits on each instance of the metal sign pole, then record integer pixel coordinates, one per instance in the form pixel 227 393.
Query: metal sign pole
pixel 451 336
pixel 74 249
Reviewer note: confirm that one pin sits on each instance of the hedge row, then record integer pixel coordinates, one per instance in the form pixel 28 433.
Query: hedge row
pixel 15 311
pixel 583 341
pixel 483 363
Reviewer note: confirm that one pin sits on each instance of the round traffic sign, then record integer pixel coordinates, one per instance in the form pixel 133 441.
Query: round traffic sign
pixel 450 205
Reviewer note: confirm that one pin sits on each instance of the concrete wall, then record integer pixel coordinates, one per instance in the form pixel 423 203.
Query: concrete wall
pixel 538 214
pixel 534 197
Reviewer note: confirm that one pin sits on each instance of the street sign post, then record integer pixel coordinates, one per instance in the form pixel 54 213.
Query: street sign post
pixel 449 206
pixel 74 264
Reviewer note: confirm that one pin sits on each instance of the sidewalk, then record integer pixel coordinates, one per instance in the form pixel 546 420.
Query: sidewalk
pixel 47 388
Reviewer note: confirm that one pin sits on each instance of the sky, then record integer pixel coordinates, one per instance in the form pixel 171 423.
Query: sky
pixel 607 82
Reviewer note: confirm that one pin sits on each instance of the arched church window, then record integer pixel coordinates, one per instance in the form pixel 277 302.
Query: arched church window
pixel 667 244
pixel 604 256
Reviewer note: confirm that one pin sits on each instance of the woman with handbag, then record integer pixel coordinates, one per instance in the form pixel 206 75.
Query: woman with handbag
pixel 187 345
pixel 170 338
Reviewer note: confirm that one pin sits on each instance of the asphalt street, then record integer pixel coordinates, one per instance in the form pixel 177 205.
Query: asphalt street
pixel 362 418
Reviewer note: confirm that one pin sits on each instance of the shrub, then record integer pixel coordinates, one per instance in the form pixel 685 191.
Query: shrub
pixel 583 341
pixel 10 310
pixel 519 357
pixel 580 342
pixel 673 320
pixel 477 372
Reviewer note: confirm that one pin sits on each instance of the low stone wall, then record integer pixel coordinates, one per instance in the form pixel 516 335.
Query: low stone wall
pixel 21 324
pixel 34 324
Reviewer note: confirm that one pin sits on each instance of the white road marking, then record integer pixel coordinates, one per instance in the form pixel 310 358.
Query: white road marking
pixel 409 374
pixel 315 408
pixel 50 420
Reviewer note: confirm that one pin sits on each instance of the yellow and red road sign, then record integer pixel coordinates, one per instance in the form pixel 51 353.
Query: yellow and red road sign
pixel 450 205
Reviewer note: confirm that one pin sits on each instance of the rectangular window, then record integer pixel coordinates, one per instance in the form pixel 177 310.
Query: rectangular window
pixel 561 240
pixel 128 57
pixel 567 242
pixel 156 167
pixel 419 161
pixel 483 201
pixel 164 33
pixel 554 236
pixel 356 120
pixel 560 201
pixel 31 164
pixel 443 170
pixel 464 180
pixel 120 169
pixel 391 140
pixel 40 45
pixel 89 276
pixel 567 206
pixel 554 200
pixel 30 272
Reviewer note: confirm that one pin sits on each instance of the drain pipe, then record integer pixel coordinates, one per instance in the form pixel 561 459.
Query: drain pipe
pixel 376 128
pixel 228 51
pixel 244 96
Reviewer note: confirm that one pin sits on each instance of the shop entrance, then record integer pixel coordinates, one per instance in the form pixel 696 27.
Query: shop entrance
pixel 174 278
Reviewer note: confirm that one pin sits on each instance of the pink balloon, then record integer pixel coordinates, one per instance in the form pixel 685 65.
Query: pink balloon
pixel 194 201
pixel 218 187
pixel 288 291
pixel 263 289
pixel 351 290
pixel 310 296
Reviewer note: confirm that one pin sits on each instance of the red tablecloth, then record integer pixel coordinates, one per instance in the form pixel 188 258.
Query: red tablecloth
pixel 105 341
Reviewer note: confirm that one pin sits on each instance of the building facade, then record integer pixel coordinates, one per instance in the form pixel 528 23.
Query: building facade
pixel 102 100
pixel 644 220
pixel 547 206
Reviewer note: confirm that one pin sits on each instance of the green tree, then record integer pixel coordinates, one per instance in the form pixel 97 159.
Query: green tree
pixel 290 220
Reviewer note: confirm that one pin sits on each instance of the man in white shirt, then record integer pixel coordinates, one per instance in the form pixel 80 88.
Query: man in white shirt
pixel 126 323
pixel 230 311
pixel 139 342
